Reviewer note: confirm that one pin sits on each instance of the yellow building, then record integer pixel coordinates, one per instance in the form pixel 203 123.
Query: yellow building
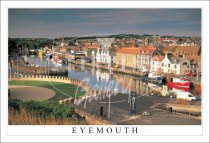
pixel 40 54
pixel 127 57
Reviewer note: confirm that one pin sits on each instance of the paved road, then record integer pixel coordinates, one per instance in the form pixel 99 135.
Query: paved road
pixel 119 111
pixel 160 117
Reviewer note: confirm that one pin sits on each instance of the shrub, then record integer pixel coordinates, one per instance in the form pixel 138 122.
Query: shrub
pixel 26 117
pixel 16 104
pixel 46 109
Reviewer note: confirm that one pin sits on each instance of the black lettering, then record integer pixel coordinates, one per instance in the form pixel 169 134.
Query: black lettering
pixel 74 130
pixel 126 130
pixel 117 130
pixel 82 129
pixel 91 130
pixel 99 130
pixel 134 130
pixel 107 130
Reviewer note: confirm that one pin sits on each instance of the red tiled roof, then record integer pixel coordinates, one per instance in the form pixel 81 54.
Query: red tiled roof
pixel 146 50
pixel 128 50
pixel 91 47
pixel 158 58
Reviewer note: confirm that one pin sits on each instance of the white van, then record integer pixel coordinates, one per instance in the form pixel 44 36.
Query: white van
pixel 185 95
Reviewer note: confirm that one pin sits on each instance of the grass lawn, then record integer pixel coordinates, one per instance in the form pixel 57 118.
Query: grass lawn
pixel 62 90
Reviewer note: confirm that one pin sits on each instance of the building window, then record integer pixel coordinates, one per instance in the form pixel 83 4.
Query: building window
pixel 162 64
pixel 168 65
pixel 175 66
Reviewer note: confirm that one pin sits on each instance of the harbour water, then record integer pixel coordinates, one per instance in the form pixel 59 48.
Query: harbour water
pixel 104 80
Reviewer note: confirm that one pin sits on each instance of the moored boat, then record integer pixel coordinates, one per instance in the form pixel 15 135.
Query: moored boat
pixel 179 82
pixel 156 78
pixel 179 88
pixel 56 60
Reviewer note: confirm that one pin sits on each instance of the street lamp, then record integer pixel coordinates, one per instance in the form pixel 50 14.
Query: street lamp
pixel 48 66
pixel 109 103
pixel 197 71
pixel 10 70
pixel 17 65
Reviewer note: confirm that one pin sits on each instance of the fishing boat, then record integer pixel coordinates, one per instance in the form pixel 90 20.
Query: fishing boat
pixel 179 82
pixel 56 60
pixel 179 88
pixel 155 78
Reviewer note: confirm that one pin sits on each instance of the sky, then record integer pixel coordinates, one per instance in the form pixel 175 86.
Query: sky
pixel 54 23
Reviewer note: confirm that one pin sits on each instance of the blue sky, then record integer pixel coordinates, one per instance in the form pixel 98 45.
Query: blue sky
pixel 53 23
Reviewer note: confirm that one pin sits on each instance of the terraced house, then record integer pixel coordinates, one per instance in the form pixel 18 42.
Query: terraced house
pixel 127 57
pixel 175 65
pixel 145 55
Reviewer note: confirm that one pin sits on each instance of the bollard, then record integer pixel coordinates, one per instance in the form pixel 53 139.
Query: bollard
pixel 101 111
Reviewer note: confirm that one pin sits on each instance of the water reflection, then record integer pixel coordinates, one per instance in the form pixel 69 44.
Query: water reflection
pixel 103 80
pixel 41 61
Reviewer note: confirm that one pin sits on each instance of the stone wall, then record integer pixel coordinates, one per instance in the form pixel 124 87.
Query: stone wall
pixel 187 108
pixel 91 119
pixel 50 79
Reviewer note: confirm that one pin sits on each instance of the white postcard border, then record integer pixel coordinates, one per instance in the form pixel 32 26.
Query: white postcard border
pixel 64 133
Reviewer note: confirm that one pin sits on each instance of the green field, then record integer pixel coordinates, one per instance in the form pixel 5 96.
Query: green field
pixel 62 90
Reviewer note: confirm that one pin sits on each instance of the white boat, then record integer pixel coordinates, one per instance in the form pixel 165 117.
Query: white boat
pixel 157 78
pixel 60 62
pixel 57 63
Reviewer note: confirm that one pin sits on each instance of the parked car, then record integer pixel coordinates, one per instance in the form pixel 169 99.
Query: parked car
pixel 185 96
pixel 37 65
pixel 145 113
pixel 116 66
pixel 87 60
pixel 144 70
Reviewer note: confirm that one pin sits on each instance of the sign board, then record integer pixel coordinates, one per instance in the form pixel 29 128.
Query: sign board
pixel 132 102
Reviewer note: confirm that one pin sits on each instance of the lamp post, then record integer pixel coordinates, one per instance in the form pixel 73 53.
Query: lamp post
pixel 48 66
pixel 17 65
pixel 10 71
pixel 45 67
pixel 109 104
pixel 197 72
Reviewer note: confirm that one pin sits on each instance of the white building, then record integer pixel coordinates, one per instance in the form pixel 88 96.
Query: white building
pixel 187 44
pixel 156 63
pixel 176 65
pixel 104 56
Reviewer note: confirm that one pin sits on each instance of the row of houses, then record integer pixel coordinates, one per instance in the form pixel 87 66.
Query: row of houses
pixel 150 59
pixel 179 60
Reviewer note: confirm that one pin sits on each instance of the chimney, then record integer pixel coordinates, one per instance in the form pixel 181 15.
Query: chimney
pixel 166 55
